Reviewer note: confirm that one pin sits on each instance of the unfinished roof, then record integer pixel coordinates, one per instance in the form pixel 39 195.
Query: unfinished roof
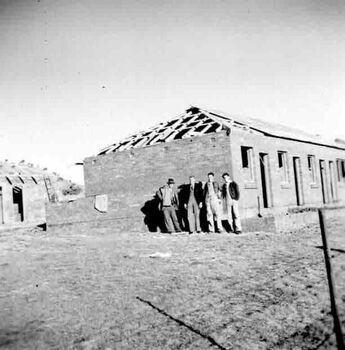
pixel 196 121
pixel 22 173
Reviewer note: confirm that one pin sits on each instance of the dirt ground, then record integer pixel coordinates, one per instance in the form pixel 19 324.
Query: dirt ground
pixel 68 290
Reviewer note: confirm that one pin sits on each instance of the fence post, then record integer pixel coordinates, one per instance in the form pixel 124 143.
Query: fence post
pixel 332 293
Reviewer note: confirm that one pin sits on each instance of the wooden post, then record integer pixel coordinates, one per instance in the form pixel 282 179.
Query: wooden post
pixel 259 207
pixel 337 325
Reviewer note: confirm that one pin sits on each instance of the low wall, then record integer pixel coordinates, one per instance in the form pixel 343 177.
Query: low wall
pixel 82 212
pixel 121 217
pixel 297 218
pixel 147 218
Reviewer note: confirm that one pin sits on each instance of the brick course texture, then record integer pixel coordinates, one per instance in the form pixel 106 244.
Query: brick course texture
pixel 137 173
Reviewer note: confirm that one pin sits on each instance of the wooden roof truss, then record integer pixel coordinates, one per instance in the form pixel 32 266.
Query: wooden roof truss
pixel 193 122
pixel 196 121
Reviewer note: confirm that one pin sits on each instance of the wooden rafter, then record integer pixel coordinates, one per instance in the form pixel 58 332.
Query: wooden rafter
pixel 193 122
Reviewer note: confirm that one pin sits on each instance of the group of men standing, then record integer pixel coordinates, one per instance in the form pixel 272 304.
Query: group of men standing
pixel 214 198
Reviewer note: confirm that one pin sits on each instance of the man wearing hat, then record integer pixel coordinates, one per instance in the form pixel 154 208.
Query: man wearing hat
pixel 168 203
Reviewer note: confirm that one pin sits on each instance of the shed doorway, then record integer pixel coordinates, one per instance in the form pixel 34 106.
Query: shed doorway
pixel 297 169
pixel 18 204
pixel 265 180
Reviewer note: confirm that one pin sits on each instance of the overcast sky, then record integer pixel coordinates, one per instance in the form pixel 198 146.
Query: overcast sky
pixel 77 75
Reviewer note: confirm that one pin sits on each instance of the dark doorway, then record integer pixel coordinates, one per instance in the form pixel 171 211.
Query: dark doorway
pixel 18 204
pixel 333 181
pixel 1 208
pixel 323 180
pixel 298 180
pixel 265 180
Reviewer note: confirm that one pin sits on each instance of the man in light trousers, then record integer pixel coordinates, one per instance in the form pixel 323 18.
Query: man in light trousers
pixel 231 195
pixel 212 198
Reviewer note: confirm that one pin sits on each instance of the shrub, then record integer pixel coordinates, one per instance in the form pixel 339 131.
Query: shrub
pixel 71 189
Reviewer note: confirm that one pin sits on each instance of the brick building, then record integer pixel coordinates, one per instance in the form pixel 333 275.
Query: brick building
pixel 276 167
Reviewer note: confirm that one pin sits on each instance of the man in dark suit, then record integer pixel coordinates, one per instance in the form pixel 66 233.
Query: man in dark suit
pixel 168 204
pixel 212 198
pixel 193 202
pixel 231 195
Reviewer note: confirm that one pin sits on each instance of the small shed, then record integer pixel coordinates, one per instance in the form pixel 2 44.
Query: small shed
pixel 22 194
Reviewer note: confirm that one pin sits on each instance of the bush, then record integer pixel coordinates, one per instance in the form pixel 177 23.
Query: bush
pixel 72 189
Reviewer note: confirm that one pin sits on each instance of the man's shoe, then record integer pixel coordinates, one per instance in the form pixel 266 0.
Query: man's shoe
pixel 238 232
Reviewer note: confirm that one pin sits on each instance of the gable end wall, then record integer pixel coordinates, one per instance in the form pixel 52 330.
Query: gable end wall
pixel 136 174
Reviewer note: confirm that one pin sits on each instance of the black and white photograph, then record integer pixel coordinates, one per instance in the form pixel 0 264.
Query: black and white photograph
pixel 172 174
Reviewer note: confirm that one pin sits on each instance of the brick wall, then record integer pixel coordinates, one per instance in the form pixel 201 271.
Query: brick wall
pixel 82 213
pixel 7 203
pixel 131 179
pixel 34 197
pixel 83 216
pixel 283 196
pixel 135 175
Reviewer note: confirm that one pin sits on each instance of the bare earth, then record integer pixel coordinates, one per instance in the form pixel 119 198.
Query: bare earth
pixel 68 290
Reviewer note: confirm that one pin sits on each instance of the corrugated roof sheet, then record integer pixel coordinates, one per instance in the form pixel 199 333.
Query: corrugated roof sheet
pixel 278 130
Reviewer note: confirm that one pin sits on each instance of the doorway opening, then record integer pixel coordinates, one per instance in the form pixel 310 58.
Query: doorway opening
pixel 323 181
pixel 298 180
pixel 333 181
pixel 18 203
pixel 265 180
